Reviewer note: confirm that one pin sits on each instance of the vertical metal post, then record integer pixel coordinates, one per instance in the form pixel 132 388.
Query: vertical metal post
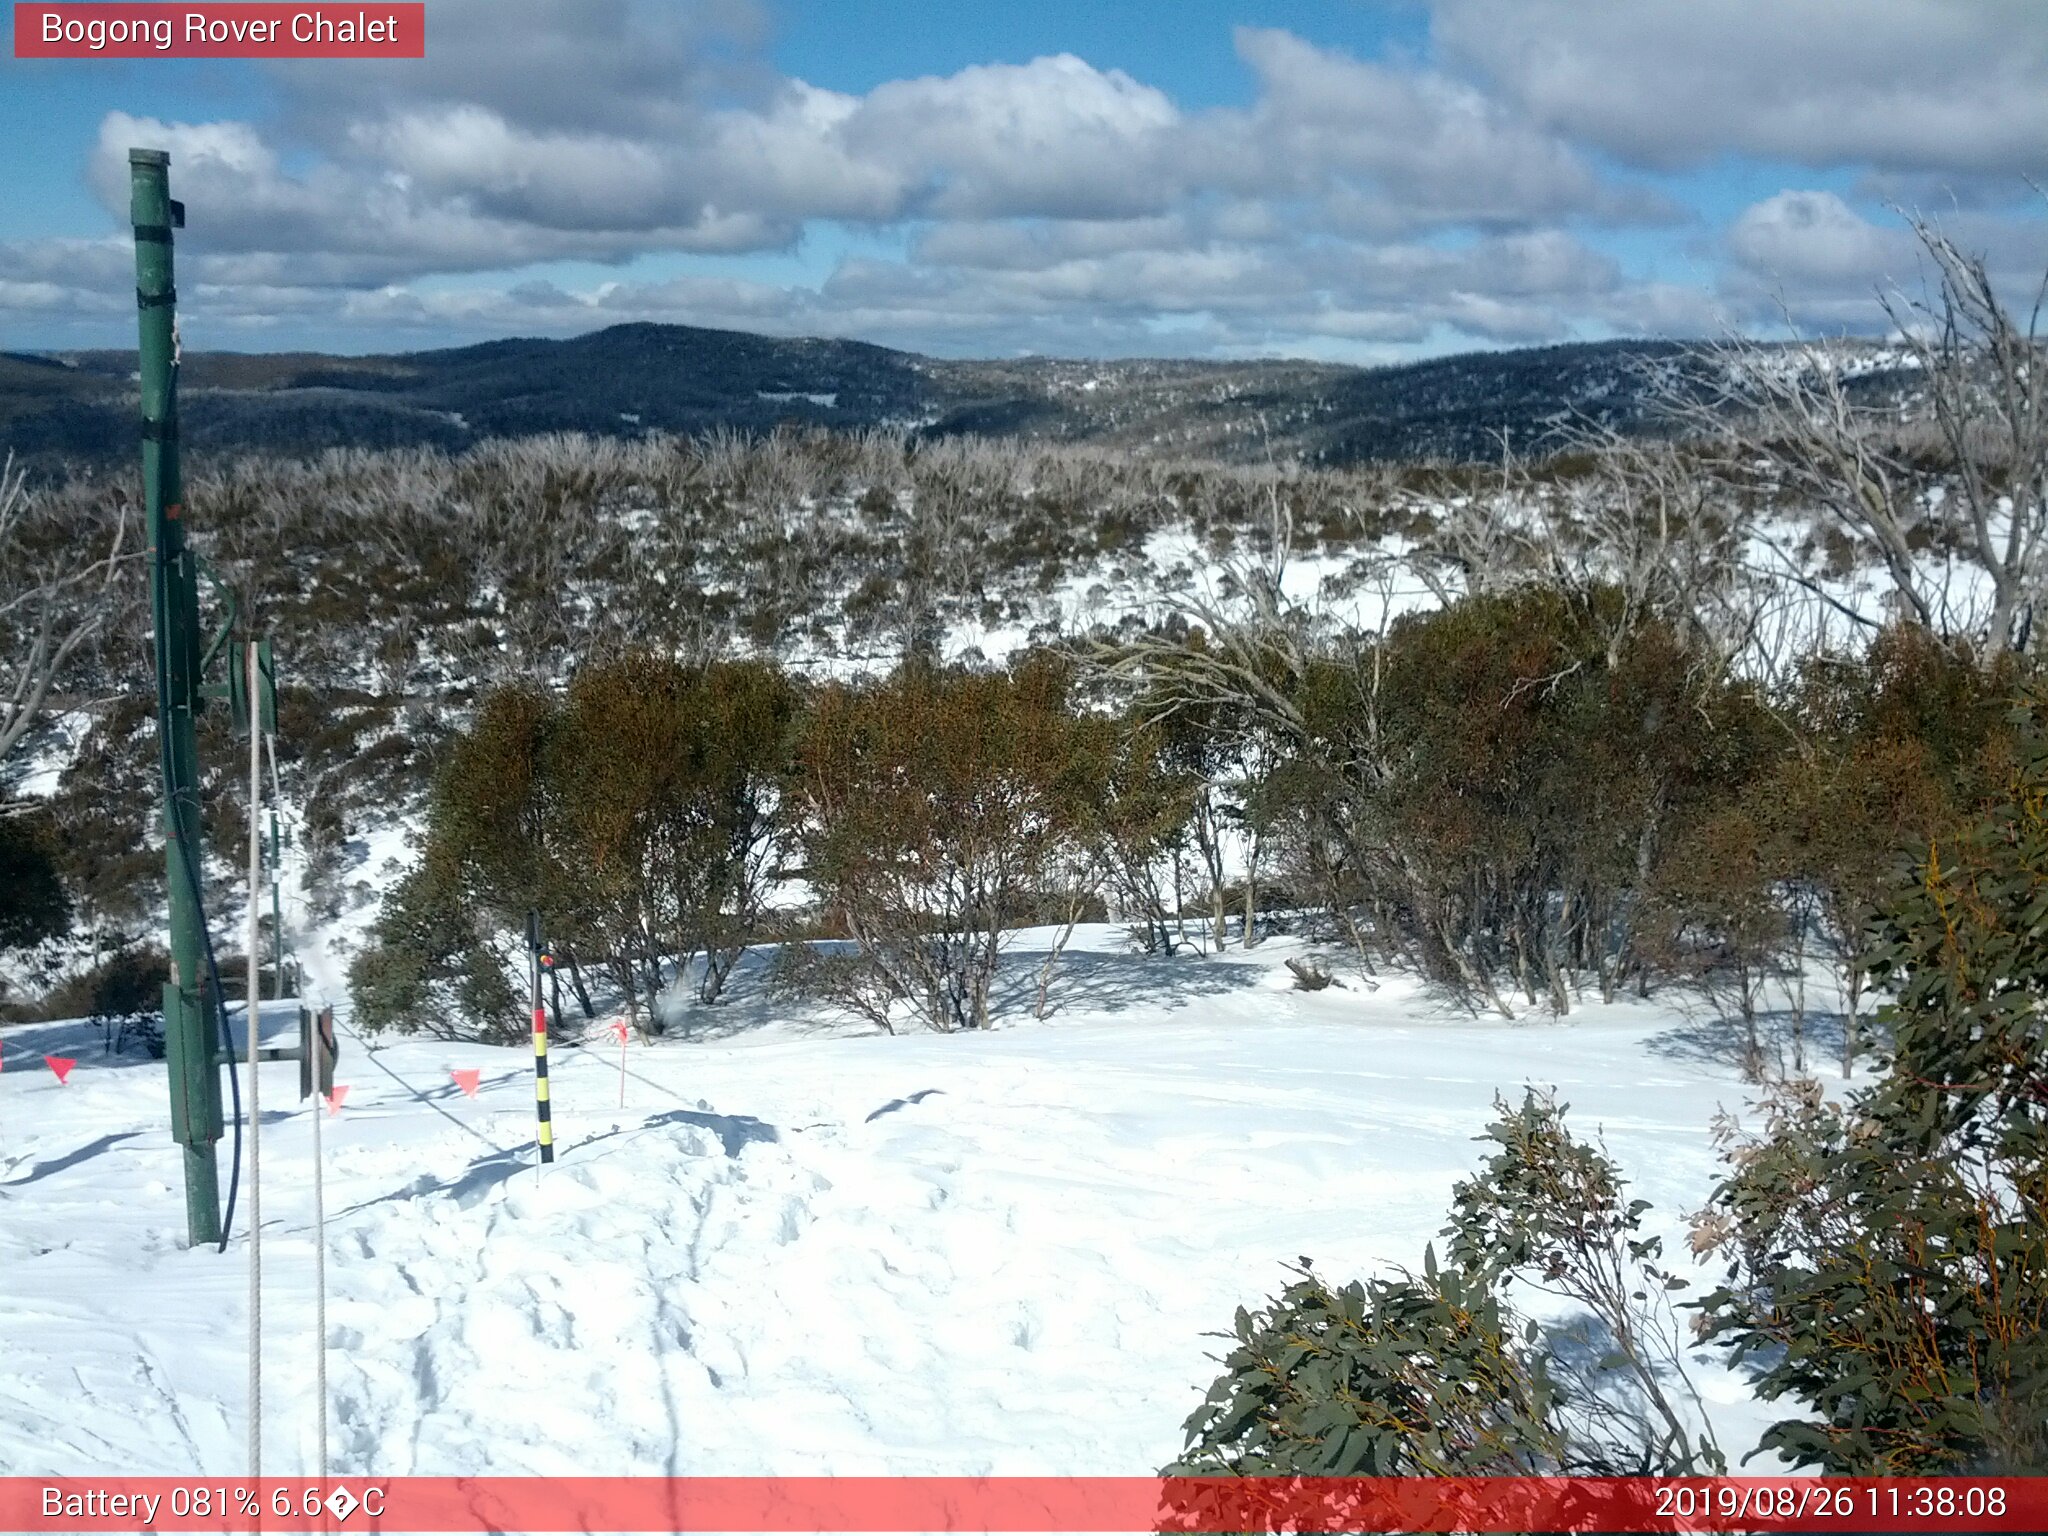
pixel 190 1038
pixel 540 1042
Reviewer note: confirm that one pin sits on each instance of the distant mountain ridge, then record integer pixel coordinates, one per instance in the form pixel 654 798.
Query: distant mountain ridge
pixel 646 377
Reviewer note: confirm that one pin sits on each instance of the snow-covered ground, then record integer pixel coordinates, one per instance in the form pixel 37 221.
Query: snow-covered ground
pixel 796 1248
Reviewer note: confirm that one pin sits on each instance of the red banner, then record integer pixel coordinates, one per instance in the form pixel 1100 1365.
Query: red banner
pixel 221 31
pixel 1104 1504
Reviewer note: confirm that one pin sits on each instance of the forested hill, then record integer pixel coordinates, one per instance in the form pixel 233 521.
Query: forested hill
pixel 632 379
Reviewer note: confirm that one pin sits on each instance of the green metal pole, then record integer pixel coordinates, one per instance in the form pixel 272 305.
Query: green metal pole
pixel 174 603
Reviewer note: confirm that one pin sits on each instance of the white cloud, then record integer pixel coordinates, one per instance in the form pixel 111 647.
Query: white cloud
pixel 1406 148
pixel 1055 137
pixel 1807 237
pixel 1922 85
pixel 1352 203
pixel 1810 257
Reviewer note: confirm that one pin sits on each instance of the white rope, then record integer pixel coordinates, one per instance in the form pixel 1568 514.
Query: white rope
pixel 319 1258
pixel 254 1025
pixel 315 1074
pixel 277 871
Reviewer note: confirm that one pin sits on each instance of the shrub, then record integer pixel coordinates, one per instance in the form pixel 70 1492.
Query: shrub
pixel 430 966
pixel 1409 1377
pixel 33 905
pixel 1889 1256
pixel 1493 781
pixel 1434 1375
pixel 124 995
pixel 939 808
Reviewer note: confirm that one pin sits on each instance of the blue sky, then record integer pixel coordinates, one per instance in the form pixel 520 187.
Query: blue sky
pixel 1330 178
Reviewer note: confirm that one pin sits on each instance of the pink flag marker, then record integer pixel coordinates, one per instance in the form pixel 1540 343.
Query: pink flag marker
pixel 620 1033
pixel 467 1079
pixel 61 1065
pixel 334 1098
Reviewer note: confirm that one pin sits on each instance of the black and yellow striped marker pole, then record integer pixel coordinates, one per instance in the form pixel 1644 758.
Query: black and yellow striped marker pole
pixel 535 957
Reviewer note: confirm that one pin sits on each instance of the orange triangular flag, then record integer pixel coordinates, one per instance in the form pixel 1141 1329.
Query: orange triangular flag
pixel 467 1079
pixel 61 1065
pixel 334 1098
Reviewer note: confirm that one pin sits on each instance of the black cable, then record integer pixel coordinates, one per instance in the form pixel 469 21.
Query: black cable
pixel 160 601
pixel 226 1040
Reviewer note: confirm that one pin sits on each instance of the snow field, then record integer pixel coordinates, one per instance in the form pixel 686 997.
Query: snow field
pixel 797 1249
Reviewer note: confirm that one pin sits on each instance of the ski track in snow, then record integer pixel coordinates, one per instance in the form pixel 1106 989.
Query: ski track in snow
pixel 797 1249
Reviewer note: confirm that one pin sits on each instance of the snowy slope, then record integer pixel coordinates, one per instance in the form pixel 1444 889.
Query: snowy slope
pixel 796 1248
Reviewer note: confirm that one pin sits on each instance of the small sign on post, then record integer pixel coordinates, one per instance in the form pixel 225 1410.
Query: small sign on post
pixel 317 1051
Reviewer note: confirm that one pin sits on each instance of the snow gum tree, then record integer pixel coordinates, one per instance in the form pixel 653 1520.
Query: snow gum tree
pixel 1959 478
pixel 642 815
pixel 938 808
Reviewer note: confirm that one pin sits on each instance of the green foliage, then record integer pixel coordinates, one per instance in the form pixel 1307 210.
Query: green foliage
pixel 1889 1257
pixel 1145 809
pixel 33 903
pixel 125 997
pixel 103 854
pixel 1408 1377
pixel 938 808
pixel 1492 783
pixel 433 967
pixel 1547 1211
pixel 1435 1375
pixel 666 785
pixel 641 815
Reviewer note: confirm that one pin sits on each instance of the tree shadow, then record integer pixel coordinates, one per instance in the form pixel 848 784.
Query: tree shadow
pixel 23 1047
pixel 1584 1352
pixel 1718 1038
pixel 734 1132
pixel 72 1159
pixel 1099 981
pixel 905 1102
pixel 1084 981
pixel 86 1041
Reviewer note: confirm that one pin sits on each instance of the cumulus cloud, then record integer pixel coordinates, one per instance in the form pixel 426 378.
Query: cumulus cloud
pixel 1403 149
pixel 1811 236
pixel 1902 85
pixel 1349 206
pixel 624 68
pixel 1809 257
